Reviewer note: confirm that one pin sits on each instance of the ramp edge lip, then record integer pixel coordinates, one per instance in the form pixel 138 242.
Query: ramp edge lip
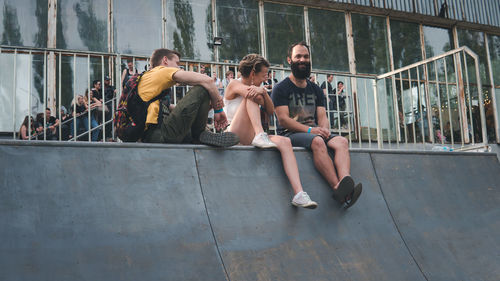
pixel 205 147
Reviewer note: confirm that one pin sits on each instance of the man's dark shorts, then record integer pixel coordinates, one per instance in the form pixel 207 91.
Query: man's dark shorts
pixel 305 139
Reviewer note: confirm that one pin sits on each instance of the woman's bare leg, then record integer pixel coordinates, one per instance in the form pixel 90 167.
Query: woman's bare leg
pixel 241 124
pixel 289 161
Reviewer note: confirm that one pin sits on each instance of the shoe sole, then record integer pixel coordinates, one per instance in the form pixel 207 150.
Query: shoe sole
pixel 264 146
pixel 307 206
pixel 221 140
pixel 346 187
pixel 355 195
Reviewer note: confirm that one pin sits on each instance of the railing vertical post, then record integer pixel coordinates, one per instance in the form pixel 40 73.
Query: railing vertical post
pixel 14 90
pixel 412 111
pixel 439 103
pixel 29 95
pixel 368 116
pixel 377 116
pixel 481 104
pixel 420 107
pixel 403 106
pixel 75 100
pixel 59 97
pixel 464 131
pixel 89 116
pixel 396 108
pixel 467 92
pixel 448 99
pixel 103 92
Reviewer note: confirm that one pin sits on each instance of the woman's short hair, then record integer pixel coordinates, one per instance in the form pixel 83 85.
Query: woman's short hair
pixel 251 62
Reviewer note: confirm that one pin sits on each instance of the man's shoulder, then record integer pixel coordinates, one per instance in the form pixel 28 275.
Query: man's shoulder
pixel 285 83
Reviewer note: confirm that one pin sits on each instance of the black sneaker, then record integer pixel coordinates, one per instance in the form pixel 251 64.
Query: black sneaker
pixel 221 139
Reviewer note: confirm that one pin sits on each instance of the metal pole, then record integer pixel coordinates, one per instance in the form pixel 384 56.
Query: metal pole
pixel 75 100
pixel 388 118
pixel 412 111
pixel 29 94
pixel 468 93
pixel 420 108
pixel 59 98
pixel 368 117
pixel 89 117
pixel 14 99
pixel 481 105
pixel 492 83
pixel 377 117
pixel 103 91
pixel 439 103
pixel 396 107
pixel 459 102
pixel 449 104
pixel 403 107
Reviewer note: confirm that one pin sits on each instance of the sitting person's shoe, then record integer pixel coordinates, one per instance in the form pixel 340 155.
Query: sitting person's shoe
pixel 262 141
pixel 303 200
pixel 221 139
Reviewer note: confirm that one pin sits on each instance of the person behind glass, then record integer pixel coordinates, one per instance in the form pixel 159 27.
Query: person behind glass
pixel 187 121
pixel 50 127
pixel 243 100
pixel 339 98
pixel 270 81
pixel 128 72
pixel 297 102
pixel 65 123
pixel 97 89
pixel 24 132
pixel 109 95
pixel 326 86
pixel 80 110
pixel 228 79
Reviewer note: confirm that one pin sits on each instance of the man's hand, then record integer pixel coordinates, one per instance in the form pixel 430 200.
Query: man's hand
pixel 325 133
pixel 220 121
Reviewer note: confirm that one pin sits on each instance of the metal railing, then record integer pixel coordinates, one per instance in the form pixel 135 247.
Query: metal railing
pixel 434 101
pixel 376 109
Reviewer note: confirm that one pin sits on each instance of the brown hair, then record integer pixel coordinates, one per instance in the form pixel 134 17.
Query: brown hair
pixel 301 43
pixel 158 55
pixel 251 62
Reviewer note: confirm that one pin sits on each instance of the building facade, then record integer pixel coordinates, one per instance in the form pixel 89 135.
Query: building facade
pixel 52 49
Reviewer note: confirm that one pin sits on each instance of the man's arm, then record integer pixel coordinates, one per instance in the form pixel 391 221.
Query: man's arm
pixel 194 78
pixel 282 112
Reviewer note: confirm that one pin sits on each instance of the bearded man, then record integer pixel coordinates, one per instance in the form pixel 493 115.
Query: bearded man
pixel 300 108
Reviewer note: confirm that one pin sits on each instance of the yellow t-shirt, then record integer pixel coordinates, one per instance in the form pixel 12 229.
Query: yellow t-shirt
pixel 151 85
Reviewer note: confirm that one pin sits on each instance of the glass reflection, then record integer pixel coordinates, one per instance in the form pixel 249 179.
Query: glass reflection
pixel 370 44
pixel 23 23
pixel 82 25
pixel 238 24
pixel 135 23
pixel 284 26
pixel 328 40
pixel 405 43
pixel 189 28
pixel 437 40
pixel 475 41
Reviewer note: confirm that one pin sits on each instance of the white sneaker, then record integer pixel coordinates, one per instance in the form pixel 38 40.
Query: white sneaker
pixel 262 141
pixel 301 199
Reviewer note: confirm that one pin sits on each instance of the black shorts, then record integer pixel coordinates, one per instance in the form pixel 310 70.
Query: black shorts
pixel 305 139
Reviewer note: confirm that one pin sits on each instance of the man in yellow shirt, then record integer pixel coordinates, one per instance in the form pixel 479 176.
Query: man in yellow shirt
pixel 186 123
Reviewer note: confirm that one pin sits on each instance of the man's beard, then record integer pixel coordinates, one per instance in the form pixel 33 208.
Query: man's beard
pixel 301 73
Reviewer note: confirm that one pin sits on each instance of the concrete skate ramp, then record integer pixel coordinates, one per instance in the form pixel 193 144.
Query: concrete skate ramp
pixel 447 208
pixel 159 212
pixel 103 213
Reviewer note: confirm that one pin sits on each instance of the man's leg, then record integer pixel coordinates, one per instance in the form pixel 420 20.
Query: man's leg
pixel 342 159
pixel 321 158
pixel 188 117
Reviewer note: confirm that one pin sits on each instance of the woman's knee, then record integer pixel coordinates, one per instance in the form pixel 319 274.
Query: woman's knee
pixel 282 142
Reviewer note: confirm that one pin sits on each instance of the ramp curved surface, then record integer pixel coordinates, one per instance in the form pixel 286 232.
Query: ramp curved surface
pixel 89 211
pixel 447 208
pixel 262 237
pixel 103 213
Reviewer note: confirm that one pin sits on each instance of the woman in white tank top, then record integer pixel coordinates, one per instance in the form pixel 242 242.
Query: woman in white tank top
pixel 243 100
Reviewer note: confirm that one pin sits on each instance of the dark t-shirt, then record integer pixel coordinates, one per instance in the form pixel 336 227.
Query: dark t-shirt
pixel 50 121
pixel 96 94
pixel 301 102
pixel 330 88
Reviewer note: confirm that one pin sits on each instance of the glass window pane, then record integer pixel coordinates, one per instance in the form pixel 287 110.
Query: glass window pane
pixel 137 32
pixel 284 26
pixel 405 43
pixel 82 25
pixel 370 44
pixel 494 45
pixel 189 28
pixel 437 40
pixel 328 40
pixel 238 25
pixel 475 41
pixel 23 23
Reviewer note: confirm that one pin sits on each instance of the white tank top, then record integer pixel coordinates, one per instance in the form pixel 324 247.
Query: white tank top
pixel 231 106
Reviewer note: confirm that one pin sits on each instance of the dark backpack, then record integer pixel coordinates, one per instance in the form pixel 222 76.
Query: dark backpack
pixel 130 117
